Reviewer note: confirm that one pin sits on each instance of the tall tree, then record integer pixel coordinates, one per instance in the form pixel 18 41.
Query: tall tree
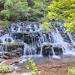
pixel 23 9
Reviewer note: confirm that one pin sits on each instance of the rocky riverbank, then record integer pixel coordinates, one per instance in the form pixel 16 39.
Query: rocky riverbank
pixel 47 66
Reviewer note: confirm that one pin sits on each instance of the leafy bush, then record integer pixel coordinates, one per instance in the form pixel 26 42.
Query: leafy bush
pixel 71 71
pixel 31 65
pixel 62 11
pixel 4 24
pixel 6 68
pixel 22 9
pixel 15 8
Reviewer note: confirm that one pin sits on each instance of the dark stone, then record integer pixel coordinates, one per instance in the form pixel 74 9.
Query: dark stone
pixel 38 50
pixel 45 51
pixel 18 36
pixel 58 51
pixel 27 52
pixel 1 41
pixel 27 39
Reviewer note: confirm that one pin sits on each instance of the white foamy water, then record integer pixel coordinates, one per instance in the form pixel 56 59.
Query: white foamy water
pixel 38 38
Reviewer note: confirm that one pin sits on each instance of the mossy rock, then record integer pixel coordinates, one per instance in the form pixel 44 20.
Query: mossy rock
pixel 7 55
pixel 4 24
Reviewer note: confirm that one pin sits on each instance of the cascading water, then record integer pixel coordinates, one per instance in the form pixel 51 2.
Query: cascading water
pixel 34 38
pixel 54 55
pixel 1 49
pixel 57 40
pixel 67 45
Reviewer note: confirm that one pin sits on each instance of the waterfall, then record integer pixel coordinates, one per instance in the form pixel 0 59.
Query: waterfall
pixel 67 48
pixel 54 55
pixel 57 37
pixel 35 38
pixel 1 48
pixel 71 38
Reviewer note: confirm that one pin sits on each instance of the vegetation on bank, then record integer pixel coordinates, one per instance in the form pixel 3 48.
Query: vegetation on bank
pixel 4 24
pixel 71 71
pixel 22 10
pixel 38 10
pixel 6 68
pixel 62 11
pixel 31 65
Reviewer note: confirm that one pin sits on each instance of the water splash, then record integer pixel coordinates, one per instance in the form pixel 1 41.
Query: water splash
pixel 35 38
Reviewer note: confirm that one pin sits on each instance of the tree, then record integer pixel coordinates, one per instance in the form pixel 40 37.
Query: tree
pixel 30 2
pixel 15 9
pixel 22 10
pixel 63 11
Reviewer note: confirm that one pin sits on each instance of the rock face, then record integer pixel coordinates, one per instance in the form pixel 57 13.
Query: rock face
pixel 32 39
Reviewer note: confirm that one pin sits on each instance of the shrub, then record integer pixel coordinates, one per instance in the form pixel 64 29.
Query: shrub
pixel 71 71
pixel 21 10
pixel 4 24
pixel 6 68
pixel 31 65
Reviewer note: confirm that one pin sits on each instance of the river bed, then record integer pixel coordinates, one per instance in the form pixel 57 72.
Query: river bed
pixel 49 66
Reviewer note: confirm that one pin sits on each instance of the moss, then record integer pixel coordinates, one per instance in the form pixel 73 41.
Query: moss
pixel 6 68
pixel 4 24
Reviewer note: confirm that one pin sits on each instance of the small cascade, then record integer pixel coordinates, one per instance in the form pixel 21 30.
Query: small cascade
pixel 58 39
pixel 6 38
pixel 54 55
pixel 1 48
pixel 34 39
pixel 72 37
pixel 41 39
pixel 26 49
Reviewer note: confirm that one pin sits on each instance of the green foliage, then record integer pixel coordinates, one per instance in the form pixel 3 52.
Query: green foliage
pixel 63 11
pixel 16 10
pixel 49 26
pixel 6 68
pixel 2 1
pixel 71 71
pixel 23 10
pixel 4 24
pixel 70 26
pixel 37 11
pixel 31 65
pixel 46 26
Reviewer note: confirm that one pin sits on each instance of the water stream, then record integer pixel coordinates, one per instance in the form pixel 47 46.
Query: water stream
pixel 35 39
